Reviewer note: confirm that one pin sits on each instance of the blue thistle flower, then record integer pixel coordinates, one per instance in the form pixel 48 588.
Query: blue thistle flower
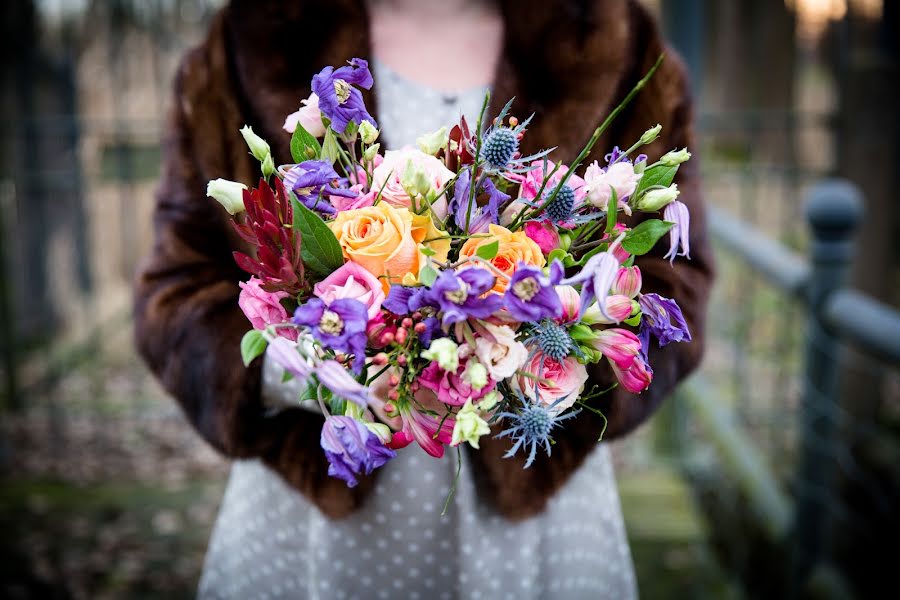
pixel 499 147
pixel 532 426
pixel 561 207
pixel 553 340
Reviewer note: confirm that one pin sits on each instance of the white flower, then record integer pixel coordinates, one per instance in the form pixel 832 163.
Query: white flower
pixel 503 355
pixel 651 134
pixel 259 148
pixel 445 352
pixel 309 116
pixel 600 184
pixel 367 132
pixel 229 194
pixel 675 157
pixel 431 143
pixel 654 200
pixel 469 426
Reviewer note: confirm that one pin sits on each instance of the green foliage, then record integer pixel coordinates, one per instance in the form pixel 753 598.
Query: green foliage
pixel 253 344
pixel 304 146
pixel 319 249
pixel 642 238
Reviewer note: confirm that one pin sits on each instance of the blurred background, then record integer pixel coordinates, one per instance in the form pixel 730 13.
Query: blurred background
pixel 774 470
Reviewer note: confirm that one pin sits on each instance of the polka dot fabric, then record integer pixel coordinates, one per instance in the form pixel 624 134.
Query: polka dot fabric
pixel 269 542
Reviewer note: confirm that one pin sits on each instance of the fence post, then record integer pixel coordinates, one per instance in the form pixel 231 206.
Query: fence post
pixel 833 210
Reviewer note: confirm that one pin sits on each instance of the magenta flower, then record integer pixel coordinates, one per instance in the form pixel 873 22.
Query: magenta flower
pixel 339 326
pixel 451 387
pixel 543 233
pixel 628 282
pixel 338 99
pixel 680 234
pixel 531 295
pixel 432 433
pixel 264 308
pixel 623 349
pixel 352 281
pixel 352 449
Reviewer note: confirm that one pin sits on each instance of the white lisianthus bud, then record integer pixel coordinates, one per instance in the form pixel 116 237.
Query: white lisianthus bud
pixel 259 148
pixel 230 194
pixel 469 426
pixel 431 143
pixel 675 157
pixel 368 132
pixel 268 166
pixel 655 200
pixel 489 401
pixel 476 374
pixel 371 151
pixel 651 134
pixel 445 352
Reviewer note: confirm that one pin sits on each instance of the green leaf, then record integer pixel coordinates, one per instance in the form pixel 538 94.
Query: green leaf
pixel 556 254
pixel 304 146
pixel 319 249
pixel 427 275
pixel 634 321
pixel 660 175
pixel 330 149
pixel 253 344
pixel 427 251
pixel 612 211
pixel 642 238
pixel 488 251
pixel 286 376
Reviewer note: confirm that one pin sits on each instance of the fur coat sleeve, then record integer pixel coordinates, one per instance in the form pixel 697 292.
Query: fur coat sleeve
pixel 249 71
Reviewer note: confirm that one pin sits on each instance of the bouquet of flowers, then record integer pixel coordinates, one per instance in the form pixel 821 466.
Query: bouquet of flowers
pixel 426 294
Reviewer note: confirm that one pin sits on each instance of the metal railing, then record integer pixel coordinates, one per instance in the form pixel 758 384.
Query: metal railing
pixel 836 316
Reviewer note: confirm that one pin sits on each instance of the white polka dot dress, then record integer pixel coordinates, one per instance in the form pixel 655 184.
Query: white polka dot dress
pixel 270 542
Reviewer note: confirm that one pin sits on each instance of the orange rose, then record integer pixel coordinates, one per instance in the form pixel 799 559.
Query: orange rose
pixel 385 241
pixel 514 248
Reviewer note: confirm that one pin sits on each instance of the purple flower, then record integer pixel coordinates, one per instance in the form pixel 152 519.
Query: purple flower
pixel 596 277
pixel 339 326
pixel 312 181
pixel 459 295
pixel 402 300
pixel 661 317
pixel 679 236
pixel 352 449
pixel 480 216
pixel 284 353
pixel 531 296
pixel 338 99
pixel 335 377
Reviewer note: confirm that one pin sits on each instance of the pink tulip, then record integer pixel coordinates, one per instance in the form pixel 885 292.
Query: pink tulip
pixel 544 235
pixel 628 282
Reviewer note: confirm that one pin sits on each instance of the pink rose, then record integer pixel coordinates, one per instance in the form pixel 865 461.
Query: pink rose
pixel 395 164
pixel 558 380
pixel 601 182
pixel 264 308
pixel 363 200
pixel 544 235
pixel 352 281
pixel 309 116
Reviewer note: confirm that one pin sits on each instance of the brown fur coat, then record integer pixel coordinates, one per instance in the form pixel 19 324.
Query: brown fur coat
pixel 569 61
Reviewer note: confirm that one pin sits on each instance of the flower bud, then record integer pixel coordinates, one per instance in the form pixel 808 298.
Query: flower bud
pixel 371 152
pixel 381 430
pixel 489 401
pixel 258 146
pixel 651 134
pixel 655 200
pixel 469 426
pixel 230 194
pixel 476 374
pixel 675 157
pixel 368 132
pixel 432 143
pixel 268 166
pixel 627 282
pixel 445 352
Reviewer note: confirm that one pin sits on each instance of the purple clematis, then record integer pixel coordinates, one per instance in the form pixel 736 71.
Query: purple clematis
pixel 402 300
pixel 459 295
pixel 680 234
pixel 352 449
pixel 339 326
pixel 313 181
pixel 531 295
pixel 596 278
pixel 661 317
pixel 480 216
pixel 338 99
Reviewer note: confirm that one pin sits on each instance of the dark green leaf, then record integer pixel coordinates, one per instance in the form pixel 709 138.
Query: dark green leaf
pixel 253 344
pixel 319 249
pixel 660 175
pixel 488 251
pixel 642 238
pixel 304 146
